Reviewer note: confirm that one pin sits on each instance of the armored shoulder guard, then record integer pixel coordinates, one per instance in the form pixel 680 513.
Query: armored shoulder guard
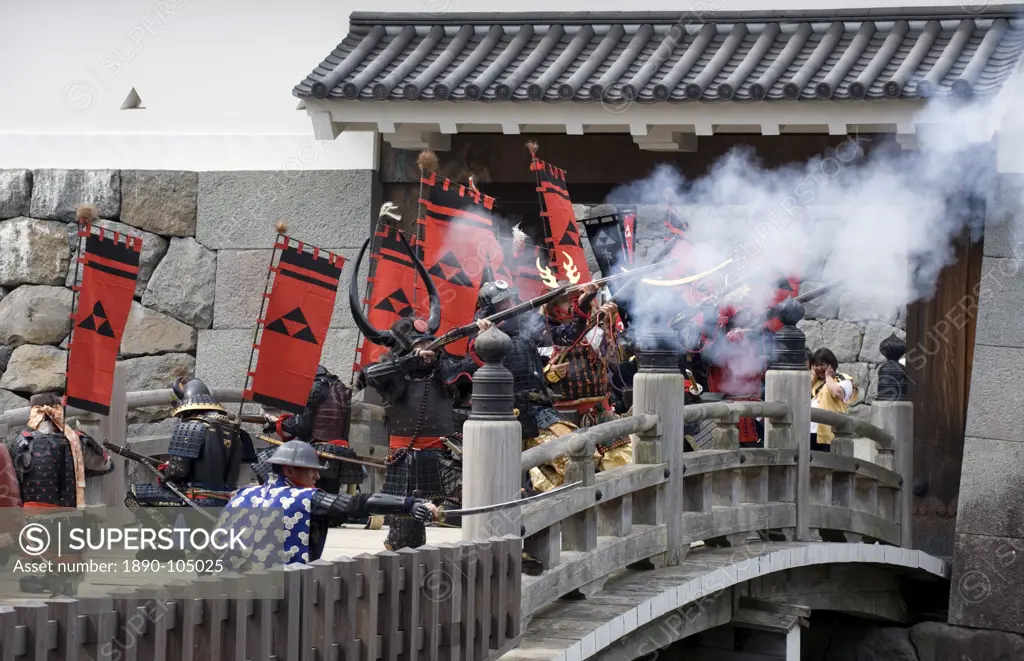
pixel 188 439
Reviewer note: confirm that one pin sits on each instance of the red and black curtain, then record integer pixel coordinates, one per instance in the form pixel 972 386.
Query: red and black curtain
pixel 460 251
pixel 392 293
pixel 110 268
pixel 560 228
pixel 294 325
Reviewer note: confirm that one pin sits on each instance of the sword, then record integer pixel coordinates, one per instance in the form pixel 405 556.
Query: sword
pixel 442 514
pixel 151 464
pixel 325 455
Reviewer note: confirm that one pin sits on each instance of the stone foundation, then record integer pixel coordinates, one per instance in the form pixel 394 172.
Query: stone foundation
pixel 206 248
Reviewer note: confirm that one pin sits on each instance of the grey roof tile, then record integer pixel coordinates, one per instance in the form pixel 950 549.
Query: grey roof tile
pixel 653 56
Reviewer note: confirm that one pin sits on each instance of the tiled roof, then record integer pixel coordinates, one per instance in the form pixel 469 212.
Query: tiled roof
pixel 652 57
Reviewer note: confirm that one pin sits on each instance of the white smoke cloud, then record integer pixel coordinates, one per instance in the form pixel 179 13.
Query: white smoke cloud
pixel 880 219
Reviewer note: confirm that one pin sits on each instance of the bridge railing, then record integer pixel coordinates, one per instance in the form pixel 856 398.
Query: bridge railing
pixel 457 602
pixel 650 512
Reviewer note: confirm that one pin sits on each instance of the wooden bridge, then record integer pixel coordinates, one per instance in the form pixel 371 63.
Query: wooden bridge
pixel 729 548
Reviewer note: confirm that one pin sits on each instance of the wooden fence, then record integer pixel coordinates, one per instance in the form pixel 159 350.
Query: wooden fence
pixel 455 602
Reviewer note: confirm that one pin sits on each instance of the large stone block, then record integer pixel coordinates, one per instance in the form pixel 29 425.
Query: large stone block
pixel 149 332
pixel 874 333
pixel 222 357
pixel 841 337
pixel 160 201
pixel 1004 206
pixel 182 285
pixel 861 309
pixel 15 193
pixel 938 641
pixel 33 252
pixel 156 372
pixel 9 401
pixel 35 369
pixel 991 500
pixel 242 277
pixel 999 304
pixel 35 314
pixel 994 370
pixel 56 194
pixel 987 583
pixel 153 250
pixel 823 307
pixel 237 210
pixel 5 355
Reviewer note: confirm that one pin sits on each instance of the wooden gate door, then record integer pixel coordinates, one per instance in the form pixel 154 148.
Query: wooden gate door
pixel 940 343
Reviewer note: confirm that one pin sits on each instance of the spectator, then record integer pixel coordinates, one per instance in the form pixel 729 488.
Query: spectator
pixel 831 391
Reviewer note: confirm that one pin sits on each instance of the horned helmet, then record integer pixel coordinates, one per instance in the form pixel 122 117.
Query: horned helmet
pixel 403 333
pixel 551 281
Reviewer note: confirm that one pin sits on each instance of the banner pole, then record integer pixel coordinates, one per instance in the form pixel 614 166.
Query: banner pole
pixel 259 324
pixel 75 289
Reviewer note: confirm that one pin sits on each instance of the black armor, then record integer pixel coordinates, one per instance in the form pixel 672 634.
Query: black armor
pixel 206 452
pixel 325 423
pixel 46 469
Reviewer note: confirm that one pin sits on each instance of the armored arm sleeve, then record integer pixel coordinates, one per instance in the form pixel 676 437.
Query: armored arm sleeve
pixel 455 369
pixel 343 507
pixel 301 426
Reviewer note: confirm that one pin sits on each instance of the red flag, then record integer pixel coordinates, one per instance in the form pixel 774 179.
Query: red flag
pixel 298 314
pixel 524 271
pixel 110 268
pixel 459 251
pixel 629 232
pixel 568 260
pixel 391 292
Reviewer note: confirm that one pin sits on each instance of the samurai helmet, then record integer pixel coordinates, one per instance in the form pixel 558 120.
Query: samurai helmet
pixel 495 292
pixel 386 338
pixel 299 454
pixel 193 395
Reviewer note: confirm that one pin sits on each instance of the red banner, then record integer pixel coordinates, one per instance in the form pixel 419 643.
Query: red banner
pixel 629 233
pixel 391 293
pixel 523 267
pixel 460 251
pixel 568 261
pixel 298 314
pixel 110 269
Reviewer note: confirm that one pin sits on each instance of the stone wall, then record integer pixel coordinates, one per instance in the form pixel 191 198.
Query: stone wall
pixel 851 329
pixel 206 238
pixel 988 563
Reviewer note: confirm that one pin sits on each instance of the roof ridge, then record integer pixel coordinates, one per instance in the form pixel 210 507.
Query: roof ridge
pixel 669 17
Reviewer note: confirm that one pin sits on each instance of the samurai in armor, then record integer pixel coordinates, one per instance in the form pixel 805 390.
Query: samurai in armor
pixel 581 361
pixel 295 515
pixel 534 400
pixel 206 455
pixel 417 388
pixel 325 424
pixel 50 461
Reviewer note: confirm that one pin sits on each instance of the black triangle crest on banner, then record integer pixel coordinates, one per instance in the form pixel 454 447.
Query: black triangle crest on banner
pixel 453 274
pixel 294 325
pixel 570 238
pixel 98 315
pixel 396 302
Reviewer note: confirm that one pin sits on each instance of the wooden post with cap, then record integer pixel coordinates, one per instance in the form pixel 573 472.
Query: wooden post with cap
pixel 492 441
pixel 893 411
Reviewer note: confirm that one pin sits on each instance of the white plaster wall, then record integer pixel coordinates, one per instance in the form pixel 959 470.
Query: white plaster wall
pixel 206 68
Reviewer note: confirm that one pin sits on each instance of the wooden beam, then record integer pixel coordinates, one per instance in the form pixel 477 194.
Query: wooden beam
pixel 747 618
pixel 810 117
pixel 768 606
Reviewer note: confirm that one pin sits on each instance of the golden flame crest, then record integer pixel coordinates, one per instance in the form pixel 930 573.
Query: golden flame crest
pixel 546 275
pixel 571 271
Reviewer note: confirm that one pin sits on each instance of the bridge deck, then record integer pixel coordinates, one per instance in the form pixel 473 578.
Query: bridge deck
pixel 572 630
